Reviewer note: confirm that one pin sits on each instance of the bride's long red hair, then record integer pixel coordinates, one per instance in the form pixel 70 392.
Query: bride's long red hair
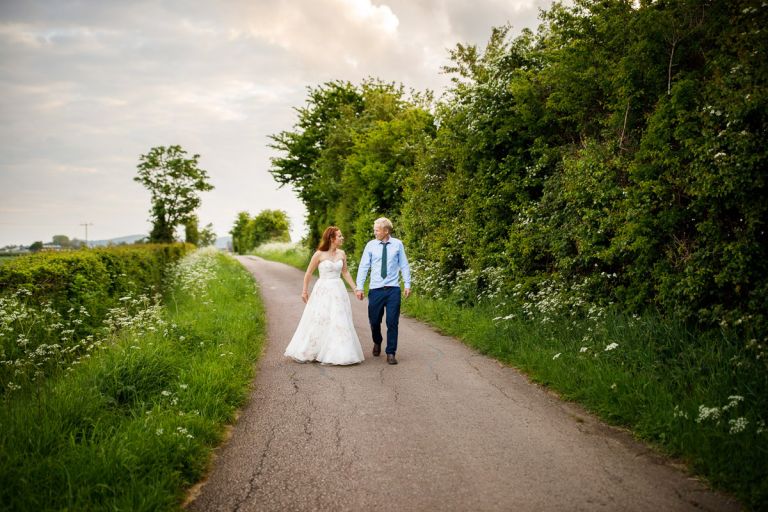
pixel 328 236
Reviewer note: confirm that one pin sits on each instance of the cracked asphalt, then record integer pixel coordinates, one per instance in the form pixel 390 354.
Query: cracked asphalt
pixel 446 429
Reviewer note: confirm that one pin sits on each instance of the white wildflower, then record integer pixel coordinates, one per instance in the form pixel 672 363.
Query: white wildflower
pixel 556 356
pixel 733 401
pixel 706 413
pixel 738 425
pixel 611 346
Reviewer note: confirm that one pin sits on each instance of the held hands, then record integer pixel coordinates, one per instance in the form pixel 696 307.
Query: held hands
pixel 359 293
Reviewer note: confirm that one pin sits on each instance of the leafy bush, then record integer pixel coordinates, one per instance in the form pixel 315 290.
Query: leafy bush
pixel 53 305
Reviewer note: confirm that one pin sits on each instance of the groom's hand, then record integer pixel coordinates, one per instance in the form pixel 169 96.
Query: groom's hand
pixel 407 292
pixel 359 294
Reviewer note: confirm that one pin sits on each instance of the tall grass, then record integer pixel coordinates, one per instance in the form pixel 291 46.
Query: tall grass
pixel 295 255
pixel 132 426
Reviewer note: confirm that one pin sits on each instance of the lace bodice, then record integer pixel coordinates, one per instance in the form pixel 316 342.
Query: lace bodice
pixel 330 269
pixel 326 331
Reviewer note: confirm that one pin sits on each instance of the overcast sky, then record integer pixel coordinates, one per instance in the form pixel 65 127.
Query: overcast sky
pixel 86 87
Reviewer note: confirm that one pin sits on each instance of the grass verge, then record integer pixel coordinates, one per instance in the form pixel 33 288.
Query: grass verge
pixel 133 426
pixel 294 255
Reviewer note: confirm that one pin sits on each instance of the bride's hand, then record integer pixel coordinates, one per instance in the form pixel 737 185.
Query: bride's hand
pixel 305 296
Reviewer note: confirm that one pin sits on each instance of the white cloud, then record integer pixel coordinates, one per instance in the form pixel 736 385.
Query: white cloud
pixel 87 87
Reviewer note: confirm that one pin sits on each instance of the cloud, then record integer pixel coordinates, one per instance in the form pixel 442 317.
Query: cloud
pixel 87 87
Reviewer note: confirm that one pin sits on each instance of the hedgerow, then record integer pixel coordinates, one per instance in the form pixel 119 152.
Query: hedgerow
pixel 53 306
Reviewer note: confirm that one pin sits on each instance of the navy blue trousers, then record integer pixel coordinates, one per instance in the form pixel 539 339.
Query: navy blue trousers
pixel 380 299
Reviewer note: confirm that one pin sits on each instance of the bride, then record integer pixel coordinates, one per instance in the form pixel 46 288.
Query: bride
pixel 326 332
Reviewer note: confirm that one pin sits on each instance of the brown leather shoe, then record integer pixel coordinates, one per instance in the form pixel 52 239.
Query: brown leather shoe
pixel 391 359
pixel 376 349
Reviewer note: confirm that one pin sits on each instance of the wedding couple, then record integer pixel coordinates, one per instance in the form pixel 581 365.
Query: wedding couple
pixel 326 332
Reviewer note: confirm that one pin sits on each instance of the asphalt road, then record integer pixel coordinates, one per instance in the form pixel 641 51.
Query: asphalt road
pixel 446 429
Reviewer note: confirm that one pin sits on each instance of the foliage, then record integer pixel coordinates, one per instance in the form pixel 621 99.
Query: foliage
pixel 574 153
pixel 267 226
pixel 192 230
pixel 62 240
pixel 53 305
pixel 196 236
pixel 350 152
pixel 135 424
pixel 174 182
pixel 207 236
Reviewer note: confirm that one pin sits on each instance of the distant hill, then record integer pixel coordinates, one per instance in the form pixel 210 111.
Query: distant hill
pixel 116 241
pixel 222 242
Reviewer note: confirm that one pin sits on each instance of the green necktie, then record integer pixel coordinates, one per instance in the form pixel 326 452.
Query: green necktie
pixel 384 259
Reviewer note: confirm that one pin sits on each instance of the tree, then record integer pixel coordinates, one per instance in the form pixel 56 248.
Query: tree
pixel 269 226
pixel 312 154
pixel 174 182
pixel 36 246
pixel 238 232
pixel 61 240
pixel 191 230
pixel 355 142
pixel 207 236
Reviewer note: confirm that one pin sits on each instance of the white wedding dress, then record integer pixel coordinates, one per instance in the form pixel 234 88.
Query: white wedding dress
pixel 326 332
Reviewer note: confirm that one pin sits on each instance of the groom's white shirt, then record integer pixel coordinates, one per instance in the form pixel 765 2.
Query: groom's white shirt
pixel 397 263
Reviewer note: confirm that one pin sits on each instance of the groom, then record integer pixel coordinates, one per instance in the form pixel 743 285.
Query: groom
pixel 385 258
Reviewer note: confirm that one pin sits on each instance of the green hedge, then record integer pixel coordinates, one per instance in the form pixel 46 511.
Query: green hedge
pixel 52 302
pixel 77 276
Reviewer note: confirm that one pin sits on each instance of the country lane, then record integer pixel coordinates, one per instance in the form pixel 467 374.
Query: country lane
pixel 446 429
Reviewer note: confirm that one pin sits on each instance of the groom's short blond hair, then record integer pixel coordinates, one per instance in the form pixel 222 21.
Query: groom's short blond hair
pixel 384 223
